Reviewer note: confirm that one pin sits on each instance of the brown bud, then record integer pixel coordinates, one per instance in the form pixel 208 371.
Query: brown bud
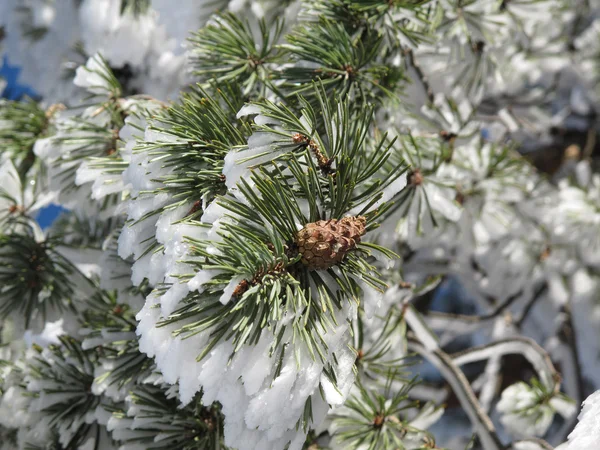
pixel 378 421
pixel 241 288
pixel 460 198
pixel 195 208
pixel 299 138
pixel 448 136
pixel 415 177
pixel 545 254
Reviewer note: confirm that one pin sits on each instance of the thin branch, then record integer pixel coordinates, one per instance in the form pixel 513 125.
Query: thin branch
pixel 529 306
pixel 527 347
pixel 410 57
pixel 475 318
pixel 481 422
pixel 460 324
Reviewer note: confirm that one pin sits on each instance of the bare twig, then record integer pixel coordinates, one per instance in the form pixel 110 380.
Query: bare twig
pixel 481 422
pixel 410 57
pixel 527 347
pixel 529 306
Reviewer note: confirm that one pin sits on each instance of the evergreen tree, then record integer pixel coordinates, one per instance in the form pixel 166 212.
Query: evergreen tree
pixel 258 225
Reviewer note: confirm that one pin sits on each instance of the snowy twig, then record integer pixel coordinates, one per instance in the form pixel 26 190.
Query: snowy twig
pixel 530 444
pixel 481 422
pixel 535 354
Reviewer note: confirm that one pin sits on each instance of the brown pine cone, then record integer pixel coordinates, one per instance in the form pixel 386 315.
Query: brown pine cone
pixel 325 243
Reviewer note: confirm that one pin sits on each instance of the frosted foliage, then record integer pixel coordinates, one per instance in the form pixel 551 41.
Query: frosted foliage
pixel 587 432
pixel 134 238
pixel 43 60
pixel 153 54
pixel 189 16
pixel 245 386
pixel 106 27
pixel 15 196
pixel 253 261
pixel 90 77
pixel 520 413
pixel 156 40
pixel 49 335
pixel 148 50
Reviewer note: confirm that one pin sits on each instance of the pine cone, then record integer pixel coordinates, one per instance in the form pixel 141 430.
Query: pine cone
pixel 325 243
